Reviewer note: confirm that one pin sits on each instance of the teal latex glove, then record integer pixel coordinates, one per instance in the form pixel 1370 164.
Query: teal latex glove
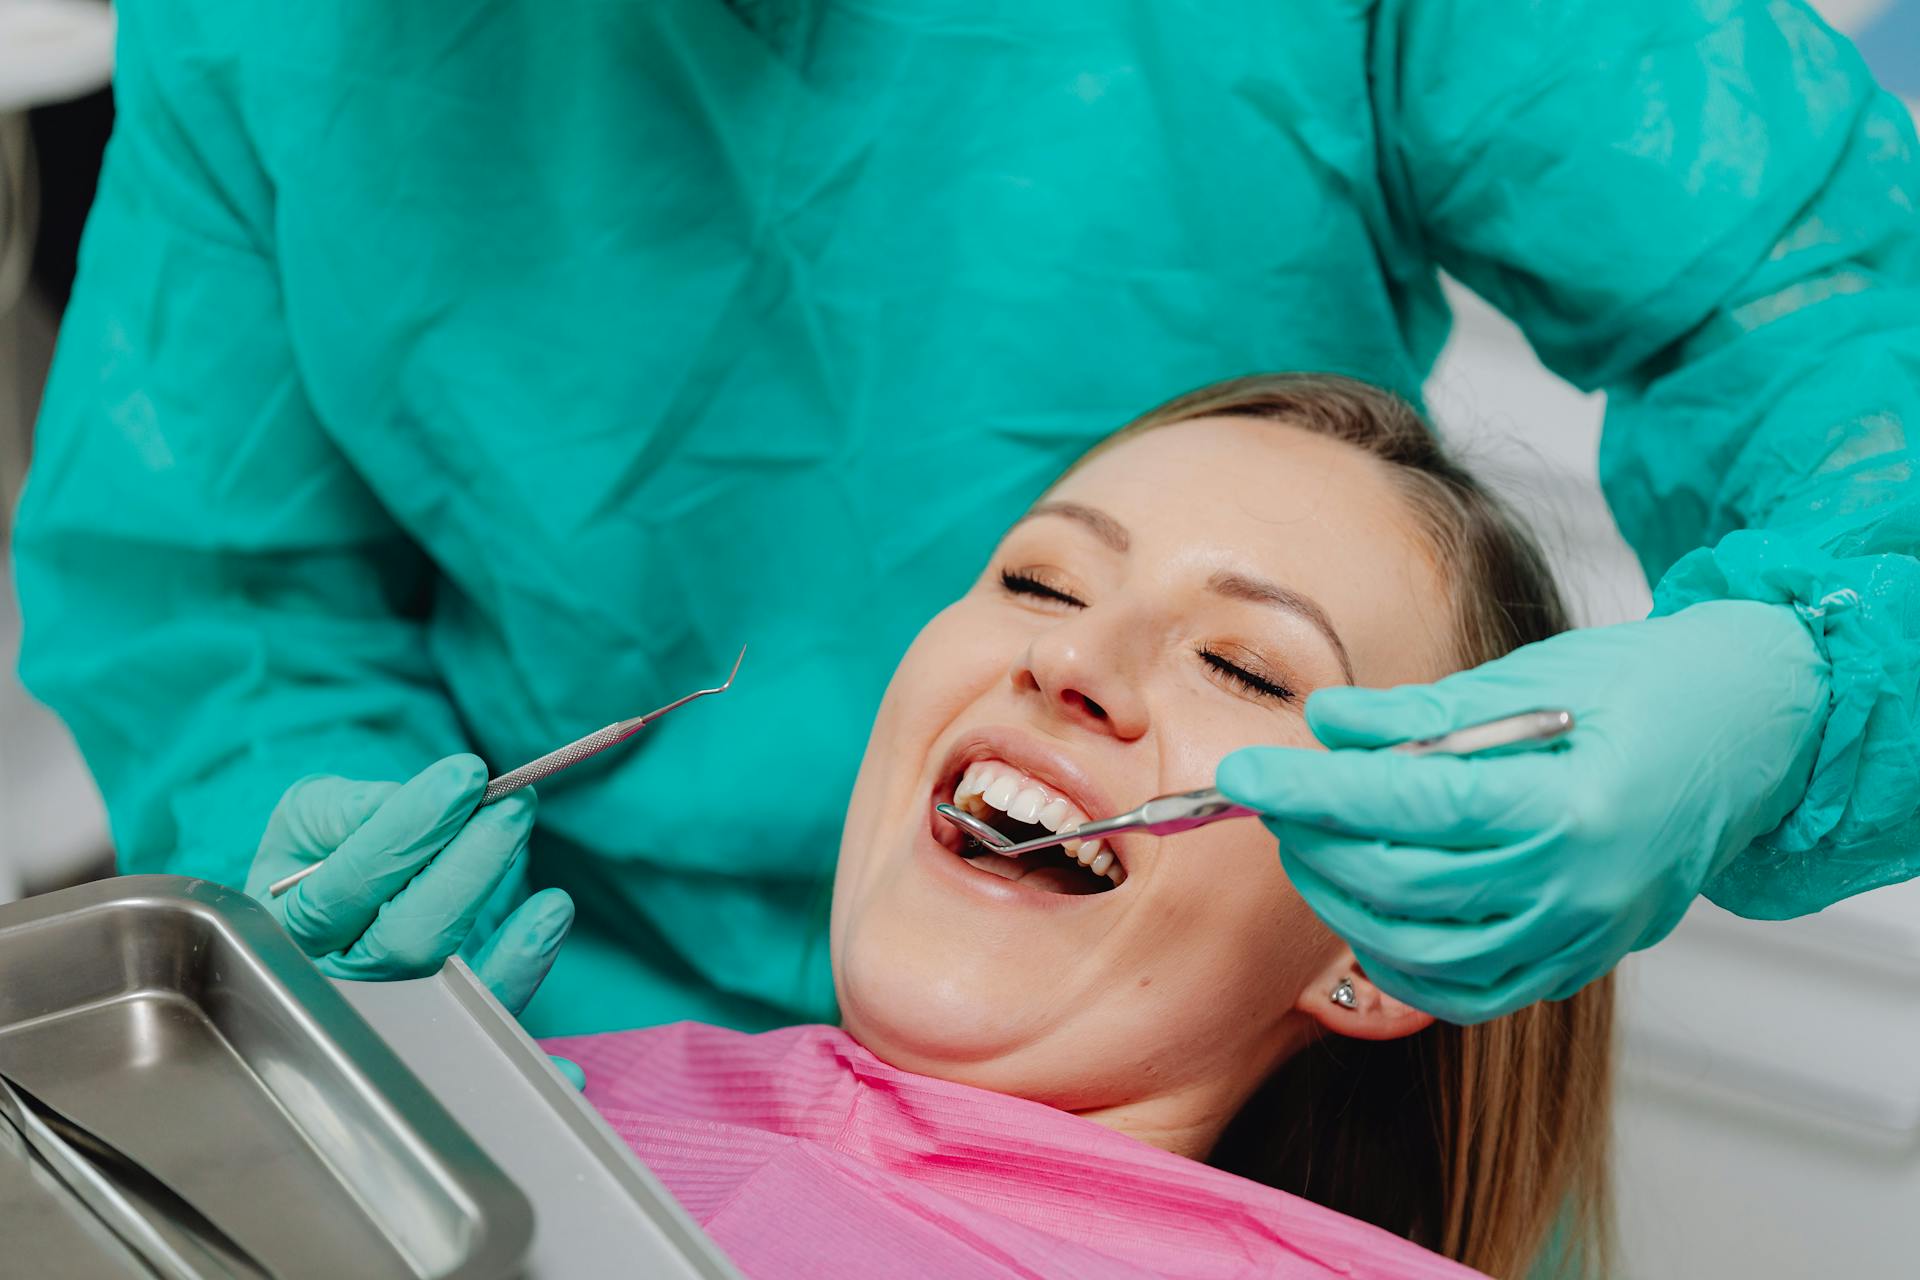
pixel 407 870
pixel 571 1070
pixel 1469 887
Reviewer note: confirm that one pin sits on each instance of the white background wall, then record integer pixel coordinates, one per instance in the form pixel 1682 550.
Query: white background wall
pixel 1769 1105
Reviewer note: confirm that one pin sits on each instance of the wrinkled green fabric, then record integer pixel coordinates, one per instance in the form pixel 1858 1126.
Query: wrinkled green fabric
pixel 450 377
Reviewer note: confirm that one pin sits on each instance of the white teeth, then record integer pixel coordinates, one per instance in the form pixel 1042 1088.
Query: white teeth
pixel 988 787
pixel 1025 806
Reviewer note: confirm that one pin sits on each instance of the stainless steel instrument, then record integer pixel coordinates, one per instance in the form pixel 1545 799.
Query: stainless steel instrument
pixel 554 761
pixel 167 1233
pixel 1184 810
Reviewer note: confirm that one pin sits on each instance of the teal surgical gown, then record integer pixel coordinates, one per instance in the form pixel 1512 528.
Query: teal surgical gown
pixel 448 376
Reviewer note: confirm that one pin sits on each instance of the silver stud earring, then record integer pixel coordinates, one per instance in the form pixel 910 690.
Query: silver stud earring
pixel 1343 994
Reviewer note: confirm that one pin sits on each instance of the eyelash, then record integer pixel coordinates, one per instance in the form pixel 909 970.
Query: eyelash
pixel 1245 679
pixel 1025 584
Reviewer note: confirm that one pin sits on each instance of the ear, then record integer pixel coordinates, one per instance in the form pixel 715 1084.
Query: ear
pixel 1375 1015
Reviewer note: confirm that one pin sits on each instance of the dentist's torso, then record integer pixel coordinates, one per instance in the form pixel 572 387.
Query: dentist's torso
pixel 667 327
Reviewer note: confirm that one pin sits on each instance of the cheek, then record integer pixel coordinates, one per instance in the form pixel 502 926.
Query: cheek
pixel 951 665
pixel 1235 921
pixel 1228 898
pixel 1232 932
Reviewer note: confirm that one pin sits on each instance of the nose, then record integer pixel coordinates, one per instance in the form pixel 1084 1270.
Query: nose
pixel 1078 673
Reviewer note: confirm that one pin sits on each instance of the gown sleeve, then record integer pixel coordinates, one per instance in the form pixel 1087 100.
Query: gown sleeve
pixel 213 600
pixel 1707 208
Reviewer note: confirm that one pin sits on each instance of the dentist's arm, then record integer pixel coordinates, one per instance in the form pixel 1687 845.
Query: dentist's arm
pixel 1709 211
pixel 213 600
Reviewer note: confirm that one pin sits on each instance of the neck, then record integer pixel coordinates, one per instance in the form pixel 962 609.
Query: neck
pixel 1188 1119
pixel 1187 1122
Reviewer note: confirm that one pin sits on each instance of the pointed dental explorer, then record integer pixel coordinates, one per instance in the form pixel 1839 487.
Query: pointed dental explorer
pixel 555 761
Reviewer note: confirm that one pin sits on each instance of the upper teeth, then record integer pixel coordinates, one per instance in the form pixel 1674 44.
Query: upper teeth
pixel 992 784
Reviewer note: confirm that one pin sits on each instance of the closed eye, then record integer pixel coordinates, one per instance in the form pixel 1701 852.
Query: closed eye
pixel 1022 583
pixel 1235 674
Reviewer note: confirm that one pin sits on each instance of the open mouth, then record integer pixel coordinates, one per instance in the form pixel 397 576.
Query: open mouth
pixel 1021 808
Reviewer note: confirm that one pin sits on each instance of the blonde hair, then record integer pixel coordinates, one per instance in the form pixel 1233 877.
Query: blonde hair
pixel 1489 1144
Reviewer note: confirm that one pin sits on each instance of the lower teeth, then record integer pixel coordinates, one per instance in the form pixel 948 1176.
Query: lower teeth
pixel 1037 860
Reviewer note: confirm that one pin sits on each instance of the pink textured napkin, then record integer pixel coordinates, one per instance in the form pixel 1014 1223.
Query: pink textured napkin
pixel 802 1154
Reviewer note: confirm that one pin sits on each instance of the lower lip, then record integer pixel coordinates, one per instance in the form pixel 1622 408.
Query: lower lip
pixel 971 879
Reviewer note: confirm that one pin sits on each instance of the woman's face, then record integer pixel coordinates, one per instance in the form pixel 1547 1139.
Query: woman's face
pixel 1176 598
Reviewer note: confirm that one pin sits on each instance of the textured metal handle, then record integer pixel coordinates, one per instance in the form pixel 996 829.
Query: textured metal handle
pixel 554 761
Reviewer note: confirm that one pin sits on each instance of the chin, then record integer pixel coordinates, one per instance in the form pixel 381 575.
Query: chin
pixel 928 1016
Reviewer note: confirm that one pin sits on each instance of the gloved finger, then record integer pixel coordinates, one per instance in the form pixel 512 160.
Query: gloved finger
pixel 515 960
pixel 316 814
pixel 571 1070
pixel 1349 716
pixel 336 904
pixel 1476 955
pixel 1411 882
pixel 426 921
pixel 1466 974
pixel 1445 802
pixel 1465 1004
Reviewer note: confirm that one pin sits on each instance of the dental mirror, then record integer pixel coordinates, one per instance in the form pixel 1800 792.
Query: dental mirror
pixel 979 830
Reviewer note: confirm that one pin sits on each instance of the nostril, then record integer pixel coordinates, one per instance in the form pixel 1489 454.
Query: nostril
pixel 1091 707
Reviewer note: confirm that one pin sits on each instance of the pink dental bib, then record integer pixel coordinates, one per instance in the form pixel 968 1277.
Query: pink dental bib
pixel 802 1154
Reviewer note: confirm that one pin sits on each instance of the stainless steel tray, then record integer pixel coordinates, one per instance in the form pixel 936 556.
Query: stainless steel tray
pixel 599 1212
pixel 175 1020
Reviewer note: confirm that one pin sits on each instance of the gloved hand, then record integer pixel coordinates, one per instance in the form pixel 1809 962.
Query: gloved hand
pixel 408 869
pixel 1469 887
pixel 571 1070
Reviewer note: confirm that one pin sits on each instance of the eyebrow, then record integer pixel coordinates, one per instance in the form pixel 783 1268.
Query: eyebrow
pixel 1102 525
pixel 1234 586
pixel 1238 586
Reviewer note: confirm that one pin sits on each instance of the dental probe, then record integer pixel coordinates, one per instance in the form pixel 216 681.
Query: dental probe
pixel 554 761
pixel 1185 810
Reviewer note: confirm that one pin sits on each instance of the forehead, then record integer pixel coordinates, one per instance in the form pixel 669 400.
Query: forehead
pixel 1280 502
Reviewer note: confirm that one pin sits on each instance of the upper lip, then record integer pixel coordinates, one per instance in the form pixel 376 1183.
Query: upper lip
pixel 1044 762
